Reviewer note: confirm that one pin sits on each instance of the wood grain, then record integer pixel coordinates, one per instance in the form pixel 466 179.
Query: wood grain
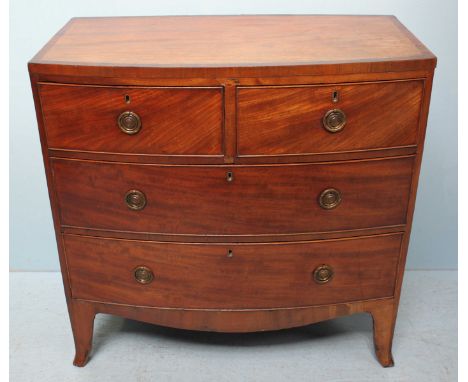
pixel 261 200
pixel 82 320
pixel 170 237
pixel 267 77
pixel 412 202
pixel 175 121
pixel 248 85
pixel 248 320
pixel 288 120
pixel 384 323
pixel 227 158
pixel 201 45
pixel 256 276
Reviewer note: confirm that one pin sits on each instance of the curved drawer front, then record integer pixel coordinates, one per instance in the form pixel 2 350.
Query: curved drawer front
pixel 283 120
pixel 237 200
pixel 249 276
pixel 172 121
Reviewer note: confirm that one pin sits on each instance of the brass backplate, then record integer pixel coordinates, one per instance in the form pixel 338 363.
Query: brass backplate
pixel 334 120
pixel 329 198
pixel 143 274
pixel 323 274
pixel 135 200
pixel 129 122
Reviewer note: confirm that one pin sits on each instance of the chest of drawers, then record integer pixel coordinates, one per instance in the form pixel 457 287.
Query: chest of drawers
pixel 232 173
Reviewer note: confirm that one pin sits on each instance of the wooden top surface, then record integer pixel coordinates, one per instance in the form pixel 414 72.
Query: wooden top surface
pixel 232 42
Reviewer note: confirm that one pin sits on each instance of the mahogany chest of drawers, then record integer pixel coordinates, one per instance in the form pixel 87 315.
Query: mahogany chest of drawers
pixel 232 173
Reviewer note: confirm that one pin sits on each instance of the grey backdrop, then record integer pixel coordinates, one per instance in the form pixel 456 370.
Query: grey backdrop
pixel 434 22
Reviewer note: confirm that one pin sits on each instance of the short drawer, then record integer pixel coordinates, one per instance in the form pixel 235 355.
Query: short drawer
pixel 133 120
pixel 285 120
pixel 236 200
pixel 232 276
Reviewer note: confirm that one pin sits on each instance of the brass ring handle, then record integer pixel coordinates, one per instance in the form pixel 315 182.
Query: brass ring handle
pixel 329 198
pixel 129 122
pixel 334 120
pixel 135 200
pixel 143 275
pixel 323 274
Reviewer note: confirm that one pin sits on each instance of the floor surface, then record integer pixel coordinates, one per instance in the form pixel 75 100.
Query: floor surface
pixel 424 347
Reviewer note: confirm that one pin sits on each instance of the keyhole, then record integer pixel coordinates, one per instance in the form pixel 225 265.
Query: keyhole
pixel 335 96
pixel 229 176
pixel 230 253
pixel 127 98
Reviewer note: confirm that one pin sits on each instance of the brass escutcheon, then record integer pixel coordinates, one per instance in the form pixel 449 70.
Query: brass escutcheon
pixel 323 274
pixel 334 120
pixel 129 122
pixel 143 274
pixel 329 198
pixel 135 200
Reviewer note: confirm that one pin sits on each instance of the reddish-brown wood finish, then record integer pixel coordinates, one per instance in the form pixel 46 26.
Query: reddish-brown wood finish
pixel 309 236
pixel 82 320
pixel 260 200
pixel 383 332
pixel 238 46
pixel 85 119
pixel 288 120
pixel 242 320
pixel 230 93
pixel 251 276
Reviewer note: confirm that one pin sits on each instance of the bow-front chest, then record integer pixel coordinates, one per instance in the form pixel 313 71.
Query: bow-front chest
pixel 232 173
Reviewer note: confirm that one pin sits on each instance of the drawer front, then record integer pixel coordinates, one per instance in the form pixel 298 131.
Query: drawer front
pixel 250 276
pixel 256 200
pixel 282 120
pixel 174 121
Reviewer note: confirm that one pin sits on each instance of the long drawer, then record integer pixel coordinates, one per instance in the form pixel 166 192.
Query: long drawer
pixel 236 200
pixel 232 276
pixel 133 120
pixel 285 120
